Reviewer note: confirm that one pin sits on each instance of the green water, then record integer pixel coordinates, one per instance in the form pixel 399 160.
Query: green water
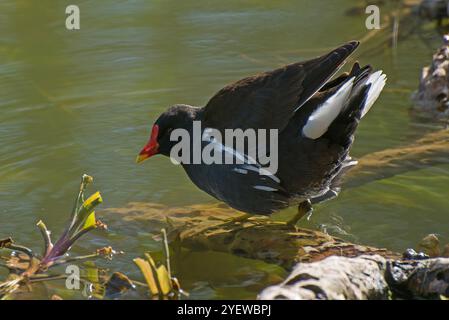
pixel 76 102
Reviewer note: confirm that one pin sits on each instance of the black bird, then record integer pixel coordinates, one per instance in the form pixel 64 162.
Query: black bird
pixel 315 118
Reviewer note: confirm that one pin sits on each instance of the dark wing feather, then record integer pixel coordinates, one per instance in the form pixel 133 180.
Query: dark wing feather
pixel 241 191
pixel 270 99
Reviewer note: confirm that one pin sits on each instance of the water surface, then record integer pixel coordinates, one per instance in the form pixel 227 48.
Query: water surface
pixel 76 102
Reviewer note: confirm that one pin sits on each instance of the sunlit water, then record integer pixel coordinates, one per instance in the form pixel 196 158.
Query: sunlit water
pixel 76 102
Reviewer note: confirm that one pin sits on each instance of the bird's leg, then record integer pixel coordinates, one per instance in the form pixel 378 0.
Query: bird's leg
pixel 304 208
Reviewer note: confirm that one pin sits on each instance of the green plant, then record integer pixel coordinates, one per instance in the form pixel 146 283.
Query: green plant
pixel 159 279
pixel 33 266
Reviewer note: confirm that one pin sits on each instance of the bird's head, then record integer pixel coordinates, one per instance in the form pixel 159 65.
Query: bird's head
pixel 177 116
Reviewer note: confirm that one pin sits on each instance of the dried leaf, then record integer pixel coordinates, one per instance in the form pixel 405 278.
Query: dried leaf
pixel 5 243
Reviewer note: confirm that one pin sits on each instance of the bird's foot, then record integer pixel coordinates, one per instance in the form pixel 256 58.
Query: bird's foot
pixel 304 208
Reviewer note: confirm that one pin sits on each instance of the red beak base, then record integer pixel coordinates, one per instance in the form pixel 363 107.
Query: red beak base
pixel 151 148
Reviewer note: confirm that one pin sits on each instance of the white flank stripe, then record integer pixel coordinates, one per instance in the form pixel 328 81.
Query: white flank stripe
pixel 320 120
pixel 251 165
pixel 377 81
pixel 262 171
pixel 263 188
pixel 221 147
pixel 350 163
pixel 242 171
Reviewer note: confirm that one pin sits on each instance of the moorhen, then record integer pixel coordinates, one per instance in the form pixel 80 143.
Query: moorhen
pixel 315 117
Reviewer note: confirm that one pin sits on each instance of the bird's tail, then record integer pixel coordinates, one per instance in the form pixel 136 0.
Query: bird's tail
pixel 344 101
pixel 364 93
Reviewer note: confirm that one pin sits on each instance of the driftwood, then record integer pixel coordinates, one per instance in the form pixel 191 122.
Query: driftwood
pixel 364 277
pixel 432 96
pixel 434 9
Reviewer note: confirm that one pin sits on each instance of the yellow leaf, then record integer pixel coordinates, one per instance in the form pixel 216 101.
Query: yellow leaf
pixel 86 216
pixel 92 201
pixel 164 280
pixel 151 261
pixel 147 272
pixel 93 277
pixel 91 272
pixel 90 221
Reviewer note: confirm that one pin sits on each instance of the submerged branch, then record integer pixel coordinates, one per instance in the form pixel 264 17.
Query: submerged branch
pixel 430 150
pixel 210 227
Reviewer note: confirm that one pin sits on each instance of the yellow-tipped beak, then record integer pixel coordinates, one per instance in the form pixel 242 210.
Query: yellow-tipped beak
pixel 141 157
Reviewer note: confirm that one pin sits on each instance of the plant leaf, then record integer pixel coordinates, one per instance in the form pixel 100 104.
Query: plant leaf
pixel 151 261
pixel 164 280
pixel 92 201
pixel 147 272
pixel 91 221
pixel 86 214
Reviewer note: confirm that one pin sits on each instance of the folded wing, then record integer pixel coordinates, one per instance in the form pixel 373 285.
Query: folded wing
pixel 269 100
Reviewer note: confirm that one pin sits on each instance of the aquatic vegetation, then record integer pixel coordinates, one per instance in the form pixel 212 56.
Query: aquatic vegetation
pixel 159 279
pixel 26 266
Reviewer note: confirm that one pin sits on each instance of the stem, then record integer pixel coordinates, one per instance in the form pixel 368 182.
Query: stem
pixel 54 277
pixel 27 251
pixel 48 245
pixel 64 246
pixel 47 277
pixel 81 233
pixel 167 252
pixel 9 287
pixel 77 258
pixel 85 180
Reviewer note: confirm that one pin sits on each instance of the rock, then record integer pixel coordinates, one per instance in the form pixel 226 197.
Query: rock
pixel 432 96
pixel 335 278
pixel 363 277
pixel 433 9
pixel 431 245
